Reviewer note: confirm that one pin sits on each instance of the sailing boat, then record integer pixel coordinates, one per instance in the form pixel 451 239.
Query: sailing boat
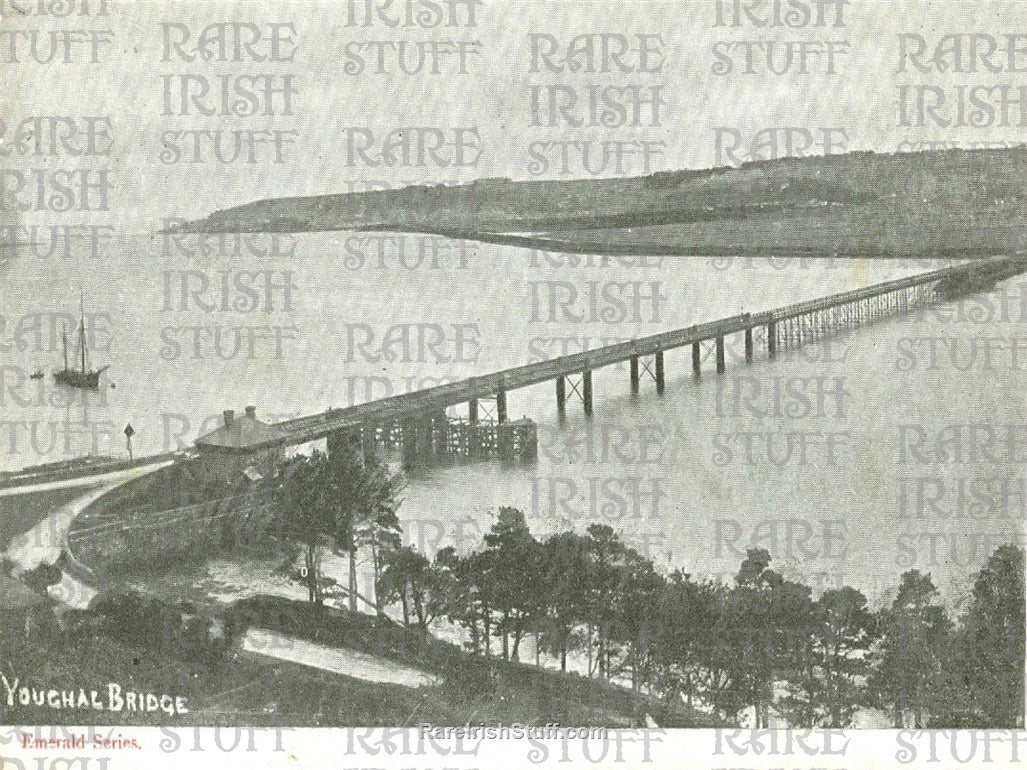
pixel 78 378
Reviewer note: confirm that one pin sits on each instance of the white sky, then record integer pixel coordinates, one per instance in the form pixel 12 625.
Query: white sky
pixel 861 98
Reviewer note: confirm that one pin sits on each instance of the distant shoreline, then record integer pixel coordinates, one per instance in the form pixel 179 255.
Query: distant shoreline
pixel 947 204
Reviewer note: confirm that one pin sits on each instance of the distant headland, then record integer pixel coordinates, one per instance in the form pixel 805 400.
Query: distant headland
pixel 946 204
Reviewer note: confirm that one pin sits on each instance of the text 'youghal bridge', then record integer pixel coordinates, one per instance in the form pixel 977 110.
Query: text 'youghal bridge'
pixel 414 420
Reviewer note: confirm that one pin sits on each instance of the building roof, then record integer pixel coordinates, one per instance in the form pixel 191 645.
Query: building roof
pixel 241 433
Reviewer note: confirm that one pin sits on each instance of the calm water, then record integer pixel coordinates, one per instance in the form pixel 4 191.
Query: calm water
pixel 825 456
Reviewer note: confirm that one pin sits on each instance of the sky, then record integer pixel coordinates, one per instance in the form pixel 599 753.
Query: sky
pixel 500 104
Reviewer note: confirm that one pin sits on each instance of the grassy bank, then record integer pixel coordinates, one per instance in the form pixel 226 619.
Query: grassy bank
pixel 231 687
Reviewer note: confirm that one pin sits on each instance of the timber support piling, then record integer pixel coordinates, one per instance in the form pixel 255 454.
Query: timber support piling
pixel 399 421
pixel 501 406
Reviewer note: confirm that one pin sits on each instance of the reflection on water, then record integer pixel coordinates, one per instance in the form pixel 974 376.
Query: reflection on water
pixel 839 458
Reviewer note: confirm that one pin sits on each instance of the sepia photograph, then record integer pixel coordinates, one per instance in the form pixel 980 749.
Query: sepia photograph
pixel 473 383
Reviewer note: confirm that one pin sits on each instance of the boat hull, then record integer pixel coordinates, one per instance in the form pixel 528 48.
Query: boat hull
pixel 74 379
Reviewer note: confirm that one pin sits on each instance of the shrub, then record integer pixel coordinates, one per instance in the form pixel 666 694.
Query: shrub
pixel 180 630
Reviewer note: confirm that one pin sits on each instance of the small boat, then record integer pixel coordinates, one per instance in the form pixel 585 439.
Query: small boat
pixel 37 375
pixel 79 378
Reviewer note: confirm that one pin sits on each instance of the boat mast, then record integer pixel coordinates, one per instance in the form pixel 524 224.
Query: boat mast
pixel 82 332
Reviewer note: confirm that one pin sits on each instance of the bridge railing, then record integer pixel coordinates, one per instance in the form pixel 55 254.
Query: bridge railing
pixel 441 396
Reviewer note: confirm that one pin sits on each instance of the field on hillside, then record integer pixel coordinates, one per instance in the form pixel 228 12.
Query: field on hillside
pixel 952 203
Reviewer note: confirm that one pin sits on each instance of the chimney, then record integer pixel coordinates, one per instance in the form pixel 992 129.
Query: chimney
pixel 229 417
pixel 251 412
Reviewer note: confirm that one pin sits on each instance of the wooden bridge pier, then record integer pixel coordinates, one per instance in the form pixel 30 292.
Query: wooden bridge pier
pixel 585 392
pixel 803 326
pixel 517 440
pixel 440 439
pixel 381 435
pixel 393 433
pixel 501 406
pixel 399 420
pixel 454 439
pixel 443 438
pixel 425 436
pixel 787 330
pixel 656 371
pixel 408 444
pixel 713 346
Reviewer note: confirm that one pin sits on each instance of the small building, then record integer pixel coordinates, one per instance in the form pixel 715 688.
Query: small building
pixel 240 446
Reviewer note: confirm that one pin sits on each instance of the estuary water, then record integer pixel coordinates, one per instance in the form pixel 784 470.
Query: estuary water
pixel 899 445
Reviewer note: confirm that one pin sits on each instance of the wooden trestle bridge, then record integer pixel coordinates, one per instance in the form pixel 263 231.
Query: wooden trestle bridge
pixel 417 421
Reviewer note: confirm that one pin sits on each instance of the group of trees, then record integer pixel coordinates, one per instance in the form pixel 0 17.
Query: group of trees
pixel 762 643
pixel 336 502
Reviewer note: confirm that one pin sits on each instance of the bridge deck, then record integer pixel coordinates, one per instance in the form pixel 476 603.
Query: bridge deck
pixel 312 427
pixel 419 403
